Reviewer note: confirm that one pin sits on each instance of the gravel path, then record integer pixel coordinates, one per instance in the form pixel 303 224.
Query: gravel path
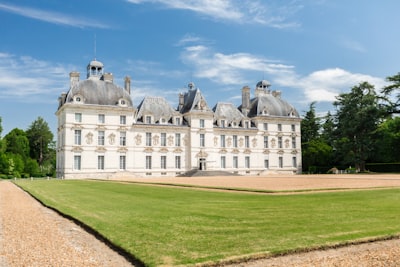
pixel 32 235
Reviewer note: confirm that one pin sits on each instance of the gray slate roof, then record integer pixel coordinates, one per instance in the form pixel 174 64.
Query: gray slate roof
pixel 99 92
pixel 158 107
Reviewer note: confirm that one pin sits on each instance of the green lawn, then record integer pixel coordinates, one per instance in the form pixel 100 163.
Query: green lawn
pixel 182 226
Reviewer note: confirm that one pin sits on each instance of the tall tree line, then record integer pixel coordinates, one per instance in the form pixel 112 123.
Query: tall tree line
pixel 27 153
pixel 363 129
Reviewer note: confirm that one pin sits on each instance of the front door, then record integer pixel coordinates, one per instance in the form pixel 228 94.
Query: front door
pixel 202 164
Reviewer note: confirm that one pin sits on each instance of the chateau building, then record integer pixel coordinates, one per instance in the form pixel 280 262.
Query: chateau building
pixel 101 134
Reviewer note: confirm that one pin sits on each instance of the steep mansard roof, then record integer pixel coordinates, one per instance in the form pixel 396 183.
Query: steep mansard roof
pixel 271 104
pixel 194 100
pixel 228 112
pixel 99 92
pixel 158 107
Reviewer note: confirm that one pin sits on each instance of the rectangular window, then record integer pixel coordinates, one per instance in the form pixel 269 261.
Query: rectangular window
pixel 78 137
pixel 235 143
pixel 247 141
pixel 202 141
pixel 279 127
pixel 201 123
pixel 100 162
pixel 293 142
pixel 163 162
pixel 280 162
pixel 163 139
pixel 122 138
pixel 122 162
pixel 266 163
pixel 122 119
pixel 247 162
pixel 294 162
pixel 279 141
pixel 293 128
pixel 78 117
pixel 177 139
pixel 246 124
pixel 177 162
pixel 77 162
pixel 148 139
pixel 100 138
pixel 265 141
pixel 101 118
pixel 235 162
pixel 222 140
pixel 265 126
pixel 148 162
pixel 223 162
pixel 178 121
pixel 223 123
pixel 148 119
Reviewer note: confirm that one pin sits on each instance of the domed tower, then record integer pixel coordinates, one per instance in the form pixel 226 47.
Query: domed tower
pixel 95 70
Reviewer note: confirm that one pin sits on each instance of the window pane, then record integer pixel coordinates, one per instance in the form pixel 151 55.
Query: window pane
pixel 177 162
pixel 100 162
pixel 122 162
pixel 148 162
pixel 177 139
pixel 78 117
pixel 77 162
pixel 77 137
pixel 148 139
pixel 122 119
pixel 122 138
pixel 100 138
pixel 163 139
pixel 163 162
pixel 101 118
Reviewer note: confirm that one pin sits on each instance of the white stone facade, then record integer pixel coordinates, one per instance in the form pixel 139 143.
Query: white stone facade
pixel 102 135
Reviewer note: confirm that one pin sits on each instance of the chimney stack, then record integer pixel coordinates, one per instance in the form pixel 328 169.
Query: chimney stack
pixel 73 78
pixel 245 100
pixel 128 84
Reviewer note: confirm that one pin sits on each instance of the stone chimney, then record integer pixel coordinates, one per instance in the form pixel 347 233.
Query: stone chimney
pixel 73 78
pixel 108 77
pixel 245 100
pixel 128 84
pixel 181 101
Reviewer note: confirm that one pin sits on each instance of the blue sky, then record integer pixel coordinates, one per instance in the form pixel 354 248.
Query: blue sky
pixel 311 50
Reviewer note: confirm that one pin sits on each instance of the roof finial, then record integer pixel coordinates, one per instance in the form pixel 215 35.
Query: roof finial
pixel 94 46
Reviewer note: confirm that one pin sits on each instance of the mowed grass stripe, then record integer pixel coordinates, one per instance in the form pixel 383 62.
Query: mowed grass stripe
pixel 181 226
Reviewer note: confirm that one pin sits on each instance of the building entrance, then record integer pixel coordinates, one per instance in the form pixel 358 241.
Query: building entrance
pixel 202 164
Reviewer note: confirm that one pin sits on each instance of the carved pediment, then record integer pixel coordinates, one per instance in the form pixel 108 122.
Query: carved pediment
pixel 101 149
pixel 178 150
pixel 77 149
pixel 148 150
pixel 163 150
pixel 294 151
pixel 280 152
pixel 202 154
pixel 122 149
pixel 247 151
pixel 223 151
pixel 235 151
pixel 266 151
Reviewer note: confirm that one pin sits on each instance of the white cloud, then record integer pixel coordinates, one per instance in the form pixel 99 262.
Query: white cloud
pixel 228 69
pixel 245 11
pixel 235 69
pixel 324 85
pixel 51 17
pixel 28 79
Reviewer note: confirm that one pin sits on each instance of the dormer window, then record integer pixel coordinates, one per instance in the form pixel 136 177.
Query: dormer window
pixel 78 99
pixel 222 123
pixel 178 121
pixel 148 119
pixel 122 102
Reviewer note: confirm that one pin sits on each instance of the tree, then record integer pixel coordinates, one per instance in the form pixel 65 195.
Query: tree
pixel 357 118
pixel 310 125
pixel 388 141
pixel 40 137
pixel 393 106
pixel 17 143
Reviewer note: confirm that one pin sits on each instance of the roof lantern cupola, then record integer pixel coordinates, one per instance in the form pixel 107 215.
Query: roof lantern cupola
pixel 95 70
